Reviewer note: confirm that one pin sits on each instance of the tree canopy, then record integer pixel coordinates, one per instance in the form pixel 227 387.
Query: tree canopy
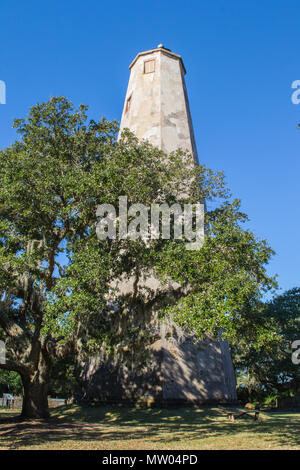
pixel 57 277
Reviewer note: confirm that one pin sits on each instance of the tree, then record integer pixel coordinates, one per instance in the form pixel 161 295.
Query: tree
pixel 57 278
pixel 40 176
pixel 264 358
pixel 55 274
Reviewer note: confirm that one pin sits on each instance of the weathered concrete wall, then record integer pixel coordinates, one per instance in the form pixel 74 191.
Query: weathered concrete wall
pixel 180 371
pixel 196 373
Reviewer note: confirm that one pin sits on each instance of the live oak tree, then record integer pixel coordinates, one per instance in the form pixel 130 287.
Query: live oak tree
pixel 54 273
pixel 56 276
pixel 44 205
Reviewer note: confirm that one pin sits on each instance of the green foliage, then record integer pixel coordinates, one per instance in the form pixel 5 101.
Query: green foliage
pixel 263 358
pixel 64 380
pixel 223 277
pixel 10 382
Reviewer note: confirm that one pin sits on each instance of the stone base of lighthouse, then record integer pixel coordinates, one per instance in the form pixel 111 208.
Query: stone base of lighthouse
pixel 178 372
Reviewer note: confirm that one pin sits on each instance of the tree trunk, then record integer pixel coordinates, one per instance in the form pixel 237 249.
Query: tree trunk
pixel 35 399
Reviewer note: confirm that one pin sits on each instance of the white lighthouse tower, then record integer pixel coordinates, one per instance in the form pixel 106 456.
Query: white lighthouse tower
pixel 156 104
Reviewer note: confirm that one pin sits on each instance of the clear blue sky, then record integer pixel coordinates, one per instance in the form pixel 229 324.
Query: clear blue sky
pixel 241 58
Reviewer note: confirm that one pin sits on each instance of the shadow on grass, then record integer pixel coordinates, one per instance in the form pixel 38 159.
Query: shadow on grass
pixel 152 426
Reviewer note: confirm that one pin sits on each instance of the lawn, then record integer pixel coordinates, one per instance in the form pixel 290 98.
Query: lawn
pixel 112 428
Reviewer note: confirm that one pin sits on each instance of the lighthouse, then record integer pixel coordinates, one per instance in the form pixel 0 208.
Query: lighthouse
pixel 180 369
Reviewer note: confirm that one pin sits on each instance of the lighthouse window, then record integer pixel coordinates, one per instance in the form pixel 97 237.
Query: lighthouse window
pixel 149 66
pixel 128 101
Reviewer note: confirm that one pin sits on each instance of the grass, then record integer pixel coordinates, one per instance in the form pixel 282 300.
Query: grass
pixel 112 428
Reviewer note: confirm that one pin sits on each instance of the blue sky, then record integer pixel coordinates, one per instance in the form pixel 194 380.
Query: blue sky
pixel 241 59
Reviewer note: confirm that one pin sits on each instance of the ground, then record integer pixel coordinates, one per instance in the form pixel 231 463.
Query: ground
pixel 112 428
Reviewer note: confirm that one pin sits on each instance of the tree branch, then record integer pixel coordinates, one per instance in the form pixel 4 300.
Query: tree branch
pixel 14 366
pixel 12 329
